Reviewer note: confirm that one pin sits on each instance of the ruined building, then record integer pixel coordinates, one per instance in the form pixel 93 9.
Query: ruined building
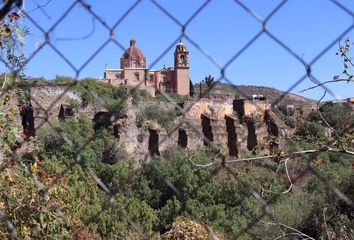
pixel 133 71
pixel 237 124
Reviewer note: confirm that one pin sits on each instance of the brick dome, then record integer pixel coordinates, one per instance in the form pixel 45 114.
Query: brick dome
pixel 133 57
pixel 133 52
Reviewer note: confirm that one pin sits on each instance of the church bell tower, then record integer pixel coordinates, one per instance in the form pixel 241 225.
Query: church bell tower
pixel 181 69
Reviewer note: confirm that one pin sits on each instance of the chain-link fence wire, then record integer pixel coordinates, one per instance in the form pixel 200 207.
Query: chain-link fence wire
pixel 224 163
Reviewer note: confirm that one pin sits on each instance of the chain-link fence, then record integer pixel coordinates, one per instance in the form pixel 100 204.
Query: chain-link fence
pixel 218 162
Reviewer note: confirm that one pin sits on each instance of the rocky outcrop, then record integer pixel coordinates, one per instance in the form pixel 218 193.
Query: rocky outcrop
pixel 190 229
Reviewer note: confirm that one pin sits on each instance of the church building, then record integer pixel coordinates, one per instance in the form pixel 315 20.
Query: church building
pixel 134 72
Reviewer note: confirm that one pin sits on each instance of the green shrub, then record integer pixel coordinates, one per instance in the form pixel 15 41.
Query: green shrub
pixel 295 145
pixel 291 122
pixel 337 115
pixel 164 117
pixel 311 130
pixel 177 98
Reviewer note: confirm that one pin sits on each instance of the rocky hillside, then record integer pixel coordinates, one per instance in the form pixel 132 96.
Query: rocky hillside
pixel 273 95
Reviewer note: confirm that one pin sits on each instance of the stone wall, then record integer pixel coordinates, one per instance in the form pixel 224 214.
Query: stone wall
pixel 113 74
pixel 248 108
pixel 212 108
pixel 236 128
pixel 48 100
pixel 142 83
pixel 220 121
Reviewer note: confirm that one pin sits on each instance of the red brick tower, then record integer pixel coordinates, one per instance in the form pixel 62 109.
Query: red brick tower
pixel 181 70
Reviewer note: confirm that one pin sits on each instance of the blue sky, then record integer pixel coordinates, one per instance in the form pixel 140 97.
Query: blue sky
pixel 221 29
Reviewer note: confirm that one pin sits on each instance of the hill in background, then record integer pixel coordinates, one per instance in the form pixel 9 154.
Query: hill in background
pixel 274 96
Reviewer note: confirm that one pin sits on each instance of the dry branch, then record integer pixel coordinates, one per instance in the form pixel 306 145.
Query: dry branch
pixel 289 155
pixel 327 82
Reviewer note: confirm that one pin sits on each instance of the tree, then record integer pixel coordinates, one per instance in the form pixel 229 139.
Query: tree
pixel 11 41
pixel 209 81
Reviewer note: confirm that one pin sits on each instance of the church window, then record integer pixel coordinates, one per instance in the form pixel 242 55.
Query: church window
pixel 181 59
pixel 136 76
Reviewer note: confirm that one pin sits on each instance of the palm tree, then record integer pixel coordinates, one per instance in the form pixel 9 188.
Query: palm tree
pixel 209 80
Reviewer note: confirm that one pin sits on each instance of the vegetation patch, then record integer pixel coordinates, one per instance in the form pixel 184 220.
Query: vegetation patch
pixel 164 117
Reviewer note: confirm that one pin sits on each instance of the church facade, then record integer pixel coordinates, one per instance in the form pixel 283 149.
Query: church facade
pixel 134 72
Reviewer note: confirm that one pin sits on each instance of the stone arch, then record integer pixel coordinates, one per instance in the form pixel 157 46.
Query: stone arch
pixel 66 111
pixel 251 137
pixel 153 142
pixel 207 129
pixel 182 138
pixel 116 131
pixel 231 136
pixel 28 121
pixel 102 119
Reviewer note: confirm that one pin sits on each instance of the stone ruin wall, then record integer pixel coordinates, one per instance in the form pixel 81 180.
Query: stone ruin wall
pixel 255 106
pixel 220 121
pixel 47 101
